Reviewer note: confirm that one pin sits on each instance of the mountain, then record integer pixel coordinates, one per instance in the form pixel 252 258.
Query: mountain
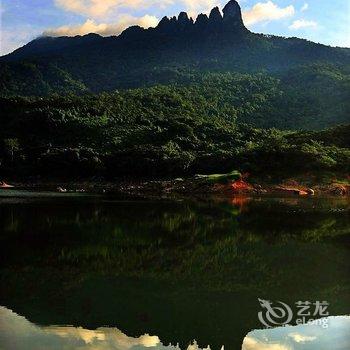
pixel 189 96
pixel 173 52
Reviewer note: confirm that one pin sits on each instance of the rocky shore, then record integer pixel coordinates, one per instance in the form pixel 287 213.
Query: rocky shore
pixel 188 187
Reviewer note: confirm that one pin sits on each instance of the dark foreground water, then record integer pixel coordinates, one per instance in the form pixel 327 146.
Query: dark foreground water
pixel 97 273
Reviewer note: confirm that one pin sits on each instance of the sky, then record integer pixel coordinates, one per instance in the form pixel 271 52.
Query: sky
pixel 323 21
pixel 17 332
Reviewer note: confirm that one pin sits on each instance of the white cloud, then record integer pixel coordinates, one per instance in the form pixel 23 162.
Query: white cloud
pixel 300 338
pixel 25 335
pixel 104 29
pixel 302 23
pixel 304 7
pixel 260 12
pixel 266 11
pixel 251 343
pixel 98 8
pixel 13 38
pixel 200 6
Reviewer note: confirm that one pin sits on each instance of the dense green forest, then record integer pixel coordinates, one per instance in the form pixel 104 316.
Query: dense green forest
pixel 215 123
pixel 79 67
pixel 312 97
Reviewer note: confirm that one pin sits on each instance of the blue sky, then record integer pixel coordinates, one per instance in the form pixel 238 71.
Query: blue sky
pixel 321 21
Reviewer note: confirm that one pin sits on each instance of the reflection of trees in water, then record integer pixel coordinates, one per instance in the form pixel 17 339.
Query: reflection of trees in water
pixel 214 242
pixel 193 258
pixel 145 231
pixel 129 223
pixel 292 218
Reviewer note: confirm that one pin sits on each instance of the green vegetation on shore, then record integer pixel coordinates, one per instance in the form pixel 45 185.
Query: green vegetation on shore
pixel 219 123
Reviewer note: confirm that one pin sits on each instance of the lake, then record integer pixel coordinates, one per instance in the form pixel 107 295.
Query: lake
pixel 83 271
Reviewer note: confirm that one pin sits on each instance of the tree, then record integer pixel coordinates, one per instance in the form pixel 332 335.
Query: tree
pixel 11 147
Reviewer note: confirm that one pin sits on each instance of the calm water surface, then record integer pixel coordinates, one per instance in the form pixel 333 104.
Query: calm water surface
pixel 95 272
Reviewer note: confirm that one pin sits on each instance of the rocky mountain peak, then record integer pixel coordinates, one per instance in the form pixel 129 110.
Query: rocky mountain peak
pixel 202 20
pixel 183 19
pixel 164 22
pixel 230 21
pixel 232 13
pixel 215 15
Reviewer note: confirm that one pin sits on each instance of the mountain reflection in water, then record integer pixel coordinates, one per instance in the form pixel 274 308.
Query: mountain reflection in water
pixel 18 333
pixel 335 336
pixel 180 270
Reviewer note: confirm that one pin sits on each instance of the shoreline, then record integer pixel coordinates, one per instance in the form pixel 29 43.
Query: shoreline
pixel 185 187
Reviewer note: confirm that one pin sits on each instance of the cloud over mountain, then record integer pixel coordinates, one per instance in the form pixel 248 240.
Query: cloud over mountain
pixel 267 11
pixel 260 12
pixel 302 23
pixel 104 29
pixel 98 8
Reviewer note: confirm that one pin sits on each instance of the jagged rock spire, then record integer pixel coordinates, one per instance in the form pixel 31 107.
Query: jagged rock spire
pixel 232 13
pixel 231 20
pixel 215 15
pixel 167 24
pixel 184 20
pixel 202 20
pixel 164 22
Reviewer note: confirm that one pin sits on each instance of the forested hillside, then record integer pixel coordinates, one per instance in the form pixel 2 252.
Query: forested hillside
pixel 168 131
pixel 176 49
